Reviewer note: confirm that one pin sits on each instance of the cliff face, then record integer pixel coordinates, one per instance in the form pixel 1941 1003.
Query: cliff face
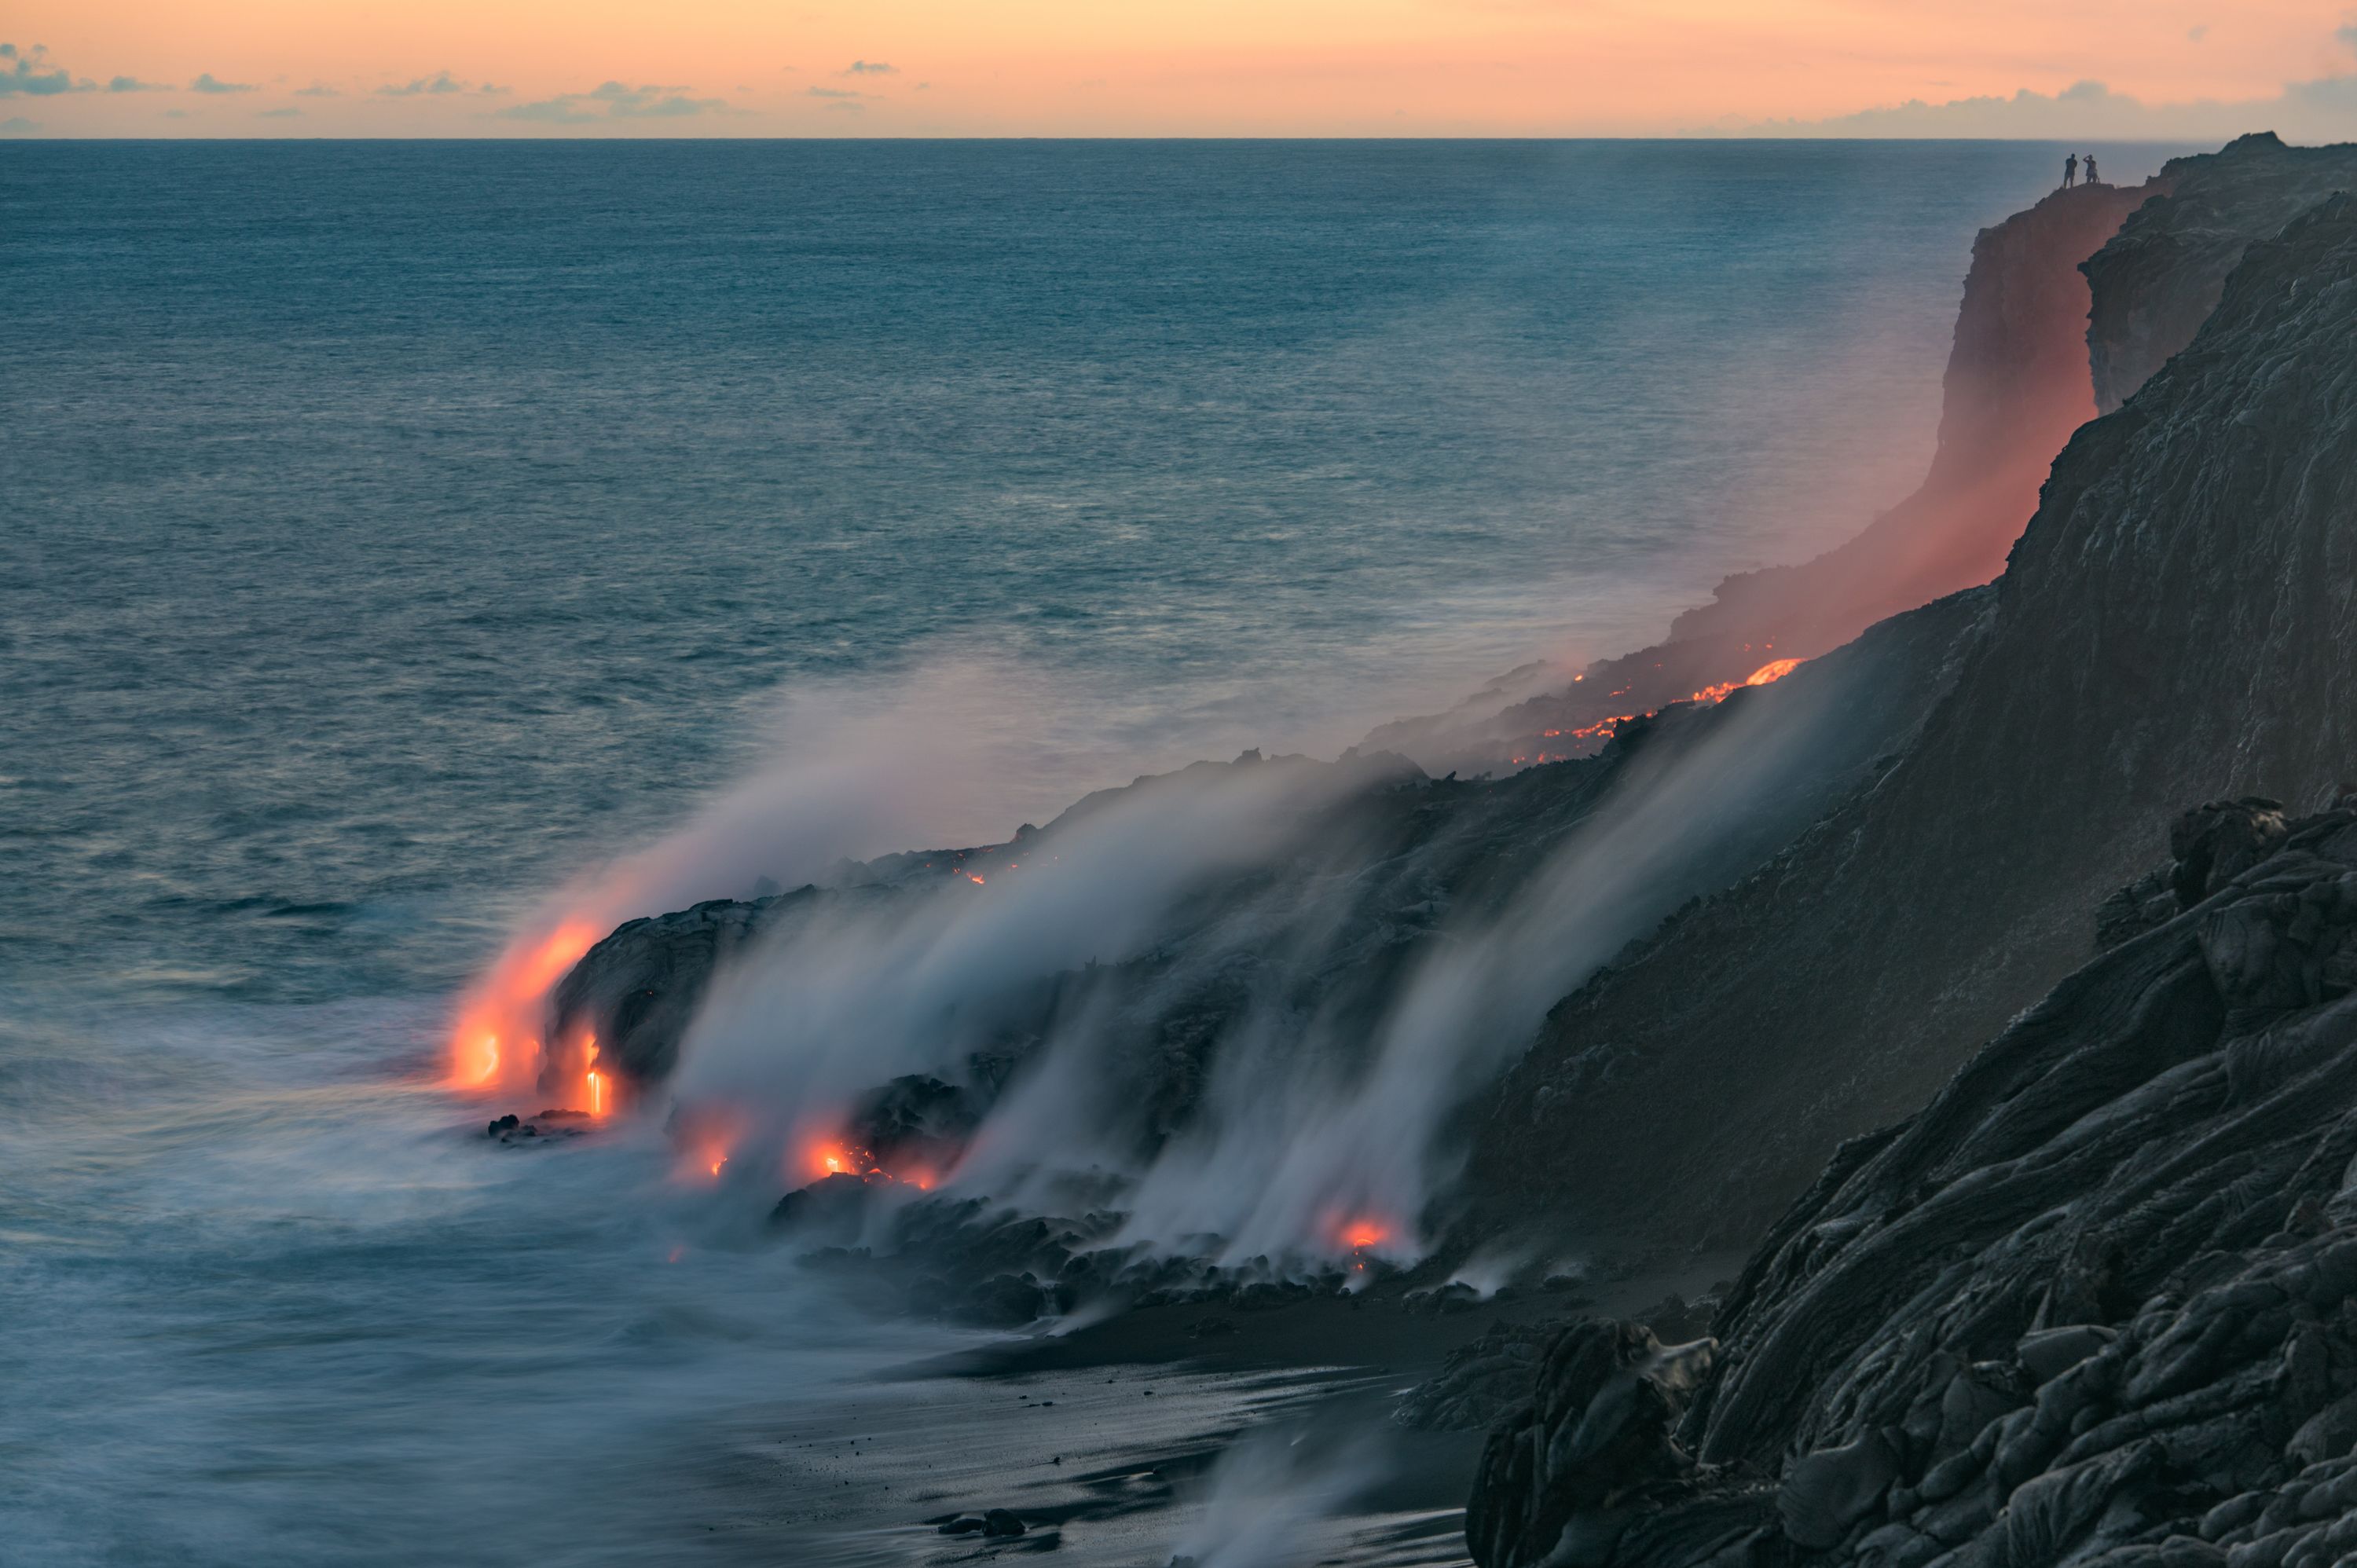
pixel 2097 1303
pixel 2161 276
pixel 2175 624
pixel 2015 388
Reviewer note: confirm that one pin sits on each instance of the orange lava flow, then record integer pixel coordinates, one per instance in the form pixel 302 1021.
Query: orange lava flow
pixel 496 1043
pixel 1605 729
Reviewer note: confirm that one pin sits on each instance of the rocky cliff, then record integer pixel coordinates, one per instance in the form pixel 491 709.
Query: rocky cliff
pixel 2097 1303
pixel 2016 386
pixel 2175 624
pixel 2157 280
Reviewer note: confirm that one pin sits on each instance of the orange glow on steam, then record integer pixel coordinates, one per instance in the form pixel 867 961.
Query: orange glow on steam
pixel 496 1043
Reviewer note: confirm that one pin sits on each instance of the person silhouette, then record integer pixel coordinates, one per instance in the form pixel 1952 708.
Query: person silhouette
pixel 2091 168
pixel 2069 171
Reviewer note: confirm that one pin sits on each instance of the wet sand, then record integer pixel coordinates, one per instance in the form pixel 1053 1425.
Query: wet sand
pixel 1129 1441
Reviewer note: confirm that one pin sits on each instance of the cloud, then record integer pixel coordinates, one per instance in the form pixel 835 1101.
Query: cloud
pixel 29 73
pixel 2320 110
pixel 618 100
pixel 132 84
pixel 869 68
pixel 17 126
pixel 176 114
pixel 2347 34
pixel 206 82
pixel 548 112
pixel 663 102
pixel 854 108
pixel 441 82
pixel 834 92
pixel 279 115
pixel 316 90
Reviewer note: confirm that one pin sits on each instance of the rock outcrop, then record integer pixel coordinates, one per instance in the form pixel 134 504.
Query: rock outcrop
pixel 2176 624
pixel 2097 1303
pixel 2158 279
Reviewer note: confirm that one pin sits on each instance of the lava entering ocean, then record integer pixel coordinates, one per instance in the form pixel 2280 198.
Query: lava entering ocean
pixel 496 1043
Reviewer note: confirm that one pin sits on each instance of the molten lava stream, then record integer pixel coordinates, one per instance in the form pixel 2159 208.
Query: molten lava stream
pixel 496 1044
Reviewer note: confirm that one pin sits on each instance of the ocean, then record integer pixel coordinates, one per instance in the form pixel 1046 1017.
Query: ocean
pixel 391 531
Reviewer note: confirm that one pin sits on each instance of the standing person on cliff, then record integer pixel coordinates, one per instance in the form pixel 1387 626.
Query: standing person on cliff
pixel 2091 168
pixel 2069 171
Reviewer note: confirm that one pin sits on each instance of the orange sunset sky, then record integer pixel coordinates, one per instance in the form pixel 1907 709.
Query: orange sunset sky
pixel 2154 69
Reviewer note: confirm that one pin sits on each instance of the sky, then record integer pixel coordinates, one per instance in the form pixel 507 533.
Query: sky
pixel 2165 69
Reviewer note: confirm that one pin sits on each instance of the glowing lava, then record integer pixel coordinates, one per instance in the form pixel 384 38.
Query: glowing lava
pixel 1605 729
pixel 496 1043
pixel 840 1156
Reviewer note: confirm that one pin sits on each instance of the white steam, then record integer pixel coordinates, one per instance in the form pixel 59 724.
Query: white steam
pixel 1288 1154
pixel 1269 1494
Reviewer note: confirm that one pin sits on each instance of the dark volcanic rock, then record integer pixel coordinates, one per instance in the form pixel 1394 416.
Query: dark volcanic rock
pixel 637 989
pixel 2176 624
pixel 2097 1303
pixel 1479 1383
pixel 1573 1470
pixel 2156 282
pixel 1334 930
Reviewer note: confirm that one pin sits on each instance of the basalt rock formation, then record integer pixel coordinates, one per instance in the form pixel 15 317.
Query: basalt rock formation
pixel 2175 623
pixel 2096 1304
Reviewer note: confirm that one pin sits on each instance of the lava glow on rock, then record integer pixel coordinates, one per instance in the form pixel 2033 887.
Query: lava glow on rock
pixel 496 1043
pixel 838 1157
pixel 1605 729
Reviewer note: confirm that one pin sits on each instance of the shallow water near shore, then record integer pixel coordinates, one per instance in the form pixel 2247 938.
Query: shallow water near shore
pixel 398 530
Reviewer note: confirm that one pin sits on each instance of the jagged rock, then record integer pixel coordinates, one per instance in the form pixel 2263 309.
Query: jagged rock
pixel 1826 1492
pixel 1568 1469
pixel 2158 279
pixel 1000 1524
pixel 1479 1382
pixel 2172 627
pixel 2095 1303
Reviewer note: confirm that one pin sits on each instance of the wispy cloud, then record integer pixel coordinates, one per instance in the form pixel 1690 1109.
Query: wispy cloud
pixel 30 73
pixel 612 100
pixel 440 81
pixel 869 68
pixel 17 126
pixel 2321 109
pixel 132 84
pixel 834 92
pixel 279 115
pixel 564 111
pixel 208 82
pixel 316 90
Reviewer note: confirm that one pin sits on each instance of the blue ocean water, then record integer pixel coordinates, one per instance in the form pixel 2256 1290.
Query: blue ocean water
pixel 389 530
